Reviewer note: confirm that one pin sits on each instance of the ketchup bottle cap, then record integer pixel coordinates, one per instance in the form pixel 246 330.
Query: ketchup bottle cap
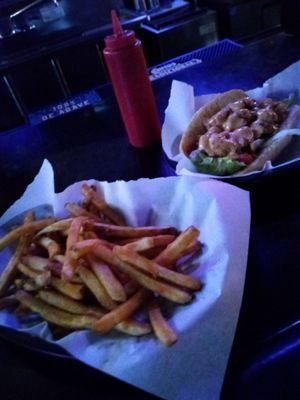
pixel 120 38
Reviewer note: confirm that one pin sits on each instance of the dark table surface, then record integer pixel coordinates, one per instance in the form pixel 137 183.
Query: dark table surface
pixel 265 358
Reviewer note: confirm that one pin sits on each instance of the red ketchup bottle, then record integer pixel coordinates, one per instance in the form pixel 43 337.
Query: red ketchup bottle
pixel 127 67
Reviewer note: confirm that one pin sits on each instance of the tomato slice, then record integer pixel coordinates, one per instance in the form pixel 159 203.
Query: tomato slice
pixel 245 158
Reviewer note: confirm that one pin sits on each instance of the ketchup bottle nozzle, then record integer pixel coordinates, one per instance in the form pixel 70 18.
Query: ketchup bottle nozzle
pixel 117 27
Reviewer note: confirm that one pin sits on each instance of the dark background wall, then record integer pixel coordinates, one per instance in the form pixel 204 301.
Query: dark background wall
pixel 62 54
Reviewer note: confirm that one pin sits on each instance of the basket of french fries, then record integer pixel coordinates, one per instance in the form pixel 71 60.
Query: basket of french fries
pixel 59 267
pixel 133 265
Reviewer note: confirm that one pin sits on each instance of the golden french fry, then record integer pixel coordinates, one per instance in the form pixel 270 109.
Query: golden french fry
pixel 70 263
pixel 58 226
pixel 40 264
pixel 149 242
pixel 74 290
pixel 164 289
pixel 67 304
pixel 128 231
pixel 43 279
pixel 40 279
pixel 174 250
pixel 156 270
pixel 26 229
pixel 84 247
pixel 143 263
pixel 30 286
pixel 35 262
pixel 77 211
pixel 94 285
pixel 62 302
pixel 108 279
pixel 134 328
pixel 50 245
pixel 102 206
pixel 30 273
pixel 161 328
pixel 10 270
pixel 119 314
pixel 193 247
pixel 54 315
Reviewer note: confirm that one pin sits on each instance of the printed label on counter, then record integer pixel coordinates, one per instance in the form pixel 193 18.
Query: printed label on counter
pixel 72 104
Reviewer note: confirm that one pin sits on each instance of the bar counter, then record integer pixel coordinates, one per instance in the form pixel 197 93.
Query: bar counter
pixel 86 144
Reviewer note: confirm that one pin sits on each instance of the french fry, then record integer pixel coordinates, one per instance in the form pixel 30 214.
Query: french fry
pixel 10 270
pixel 79 249
pixel 40 264
pixel 115 231
pixel 156 270
pixel 133 258
pixel 133 328
pixel 67 304
pixel 54 315
pixel 30 273
pixel 94 251
pixel 58 226
pixel 74 290
pixel 94 285
pixel 77 211
pixel 25 229
pixel 102 206
pixel 30 286
pixel 50 245
pixel 161 328
pixel 174 250
pixel 107 279
pixel 62 302
pixel 35 262
pixel 164 289
pixel 43 279
pixel 119 314
pixel 193 247
pixel 70 263
pixel 149 242
pixel 40 279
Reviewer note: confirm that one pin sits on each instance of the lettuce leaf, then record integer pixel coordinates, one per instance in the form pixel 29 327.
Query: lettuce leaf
pixel 216 165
